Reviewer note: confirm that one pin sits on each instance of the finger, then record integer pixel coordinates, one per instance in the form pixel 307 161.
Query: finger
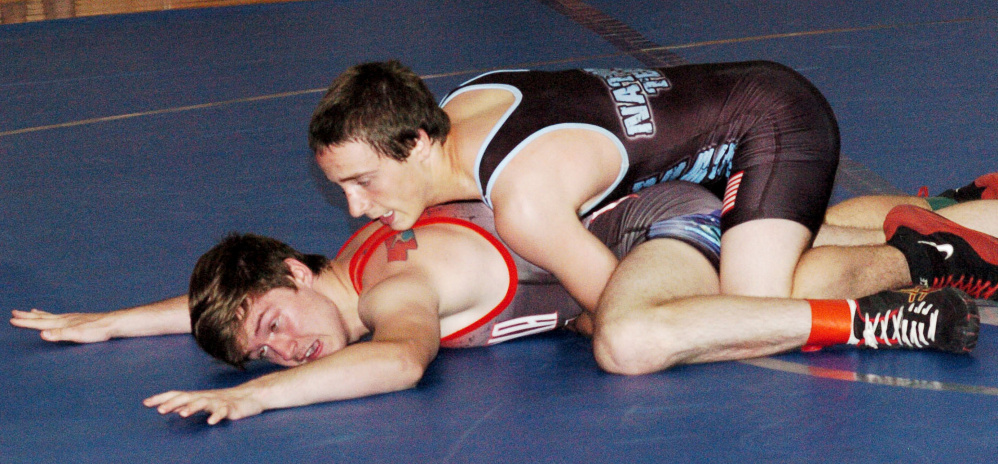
pixel 27 323
pixel 193 406
pixel 31 323
pixel 37 314
pixel 189 401
pixel 173 404
pixel 65 334
pixel 159 399
pixel 33 314
pixel 216 416
pixel 38 323
pixel 49 330
pixel 78 334
pixel 45 328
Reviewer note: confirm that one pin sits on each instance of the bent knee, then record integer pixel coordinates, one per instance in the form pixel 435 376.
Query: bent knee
pixel 626 347
pixel 819 275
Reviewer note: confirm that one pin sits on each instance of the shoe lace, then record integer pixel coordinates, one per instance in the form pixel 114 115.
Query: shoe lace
pixel 893 327
pixel 975 287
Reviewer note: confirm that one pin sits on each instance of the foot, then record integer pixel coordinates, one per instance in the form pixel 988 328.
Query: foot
pixel 984 187
pixel 918 318
pixel 941 253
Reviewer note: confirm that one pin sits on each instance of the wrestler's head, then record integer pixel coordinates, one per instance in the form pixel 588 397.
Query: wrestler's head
pixel 371 135
pixel 393 192
pixel 383 105
pixel 252 297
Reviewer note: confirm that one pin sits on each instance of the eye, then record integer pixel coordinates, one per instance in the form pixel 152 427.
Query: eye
pixel 274 324
pixel 262 354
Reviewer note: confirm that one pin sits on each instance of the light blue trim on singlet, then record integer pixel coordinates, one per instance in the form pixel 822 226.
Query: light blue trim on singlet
pixel 518 97
pixel 624 160
pixel 486 191
pixel 481 76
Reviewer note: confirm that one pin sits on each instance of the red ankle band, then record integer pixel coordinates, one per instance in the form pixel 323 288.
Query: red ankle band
pixel 831 322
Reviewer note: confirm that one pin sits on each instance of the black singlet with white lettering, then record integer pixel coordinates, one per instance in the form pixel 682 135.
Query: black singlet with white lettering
pixel 756 134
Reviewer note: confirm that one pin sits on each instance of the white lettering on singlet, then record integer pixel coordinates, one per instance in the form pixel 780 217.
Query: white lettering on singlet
pixel 630 89
pixel 709 164
pixel 523 326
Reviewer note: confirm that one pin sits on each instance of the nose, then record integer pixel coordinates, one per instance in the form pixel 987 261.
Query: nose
pixel 358 202
pixel 283 351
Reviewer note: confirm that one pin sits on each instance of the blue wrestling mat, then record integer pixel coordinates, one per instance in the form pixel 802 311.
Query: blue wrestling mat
pixel 130 144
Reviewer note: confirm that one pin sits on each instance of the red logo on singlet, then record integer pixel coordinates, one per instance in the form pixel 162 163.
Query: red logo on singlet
pixel 399 244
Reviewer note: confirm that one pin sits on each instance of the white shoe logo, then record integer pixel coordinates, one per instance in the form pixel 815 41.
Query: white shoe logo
pixel 945 249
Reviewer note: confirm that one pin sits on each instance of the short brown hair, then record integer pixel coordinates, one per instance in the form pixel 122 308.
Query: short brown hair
pixel 380 104
pixel 237 269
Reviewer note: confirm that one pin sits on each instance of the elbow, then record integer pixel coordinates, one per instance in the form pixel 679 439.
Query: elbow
pixel 409 366
pixel 409 373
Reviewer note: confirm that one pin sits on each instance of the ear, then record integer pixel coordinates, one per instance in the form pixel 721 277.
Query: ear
pixel 300 273
pixel 421 151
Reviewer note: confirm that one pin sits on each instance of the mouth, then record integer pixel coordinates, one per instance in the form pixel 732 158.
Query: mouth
pixel 314 352
pixel 387 218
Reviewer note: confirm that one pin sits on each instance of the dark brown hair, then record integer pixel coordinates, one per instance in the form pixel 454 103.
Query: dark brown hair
pixel 380 104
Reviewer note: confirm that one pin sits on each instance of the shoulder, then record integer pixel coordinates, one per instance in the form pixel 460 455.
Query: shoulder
pixel 446 268
pixel 565 164
pixel 356 241
pixel 444 245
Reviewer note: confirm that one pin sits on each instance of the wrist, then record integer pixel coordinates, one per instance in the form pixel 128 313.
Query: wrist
pixel 261 390
pixel 116 324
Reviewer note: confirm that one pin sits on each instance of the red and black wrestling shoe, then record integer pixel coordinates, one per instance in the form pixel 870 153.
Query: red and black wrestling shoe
pixel 942 253
pixel 945 319
pixel 982 188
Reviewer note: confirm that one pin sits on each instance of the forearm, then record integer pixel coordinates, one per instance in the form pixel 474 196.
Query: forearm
pixel 587 282
pixel 164 317
pixel 160 318
pixel 363 369
pixel 553 238
pixel 582 264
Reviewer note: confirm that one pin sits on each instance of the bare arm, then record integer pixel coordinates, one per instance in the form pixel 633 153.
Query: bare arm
pixel 554 239
pixel 536 201
pixel 405 340
pixel 169 316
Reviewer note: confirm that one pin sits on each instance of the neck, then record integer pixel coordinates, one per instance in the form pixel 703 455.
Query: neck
pixel 334 283
pixel 454 178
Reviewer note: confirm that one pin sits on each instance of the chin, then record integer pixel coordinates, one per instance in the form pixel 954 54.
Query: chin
pixel 399 224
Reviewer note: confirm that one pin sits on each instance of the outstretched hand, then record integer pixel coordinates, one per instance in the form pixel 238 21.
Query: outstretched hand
pixel 69 327
pixel 229 403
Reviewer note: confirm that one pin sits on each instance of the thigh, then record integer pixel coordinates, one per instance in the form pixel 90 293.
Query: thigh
pixel 653 274
pixel 868 212
pixel 980 215
pixel 759 257
pixel 786 154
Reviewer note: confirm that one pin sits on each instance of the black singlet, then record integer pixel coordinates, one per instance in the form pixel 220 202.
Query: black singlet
pixel 756 134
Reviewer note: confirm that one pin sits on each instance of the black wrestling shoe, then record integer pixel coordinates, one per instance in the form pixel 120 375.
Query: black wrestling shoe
pixel 941 253
pixel 918 318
